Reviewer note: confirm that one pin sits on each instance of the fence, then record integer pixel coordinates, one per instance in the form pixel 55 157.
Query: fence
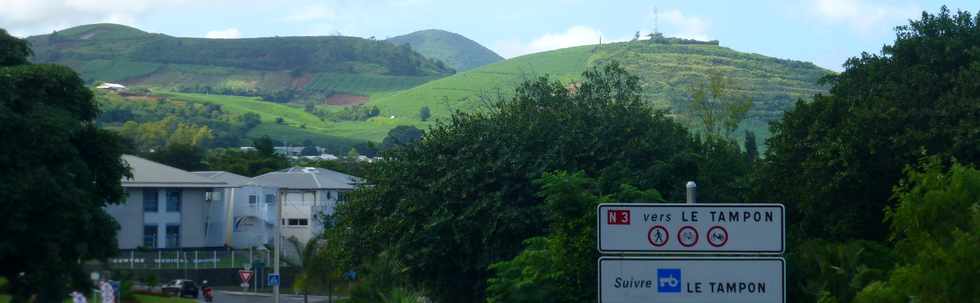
pixel 190 259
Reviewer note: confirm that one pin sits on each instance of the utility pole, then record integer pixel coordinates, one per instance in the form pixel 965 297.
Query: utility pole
pixel 278 244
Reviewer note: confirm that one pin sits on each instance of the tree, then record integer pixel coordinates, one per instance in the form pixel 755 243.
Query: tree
pixel 59 173
pixel 716 106
pixel 280 120
pixel 265 146
pixel 751 147
pixel 183 156
pixel 834 160
pixel 352 155
pixel 251 120
pixel 937 227
pixel 425 113
pixel 451 205
pixel 309 149
pixel 401 135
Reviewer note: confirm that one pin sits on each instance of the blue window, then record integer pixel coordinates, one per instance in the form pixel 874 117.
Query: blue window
pixel 252 199
pixel 150 236
pixel 269 199
pixel 173 200
pixel 173 236
pixel 150 201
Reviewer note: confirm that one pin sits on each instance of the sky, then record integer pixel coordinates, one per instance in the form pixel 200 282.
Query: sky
pixel 825 32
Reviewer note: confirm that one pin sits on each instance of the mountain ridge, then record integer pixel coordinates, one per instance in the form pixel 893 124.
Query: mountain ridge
pixel 458 51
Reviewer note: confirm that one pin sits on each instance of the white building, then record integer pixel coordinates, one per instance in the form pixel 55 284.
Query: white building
pixel 112 86
pixel 251 213
pixel 310 194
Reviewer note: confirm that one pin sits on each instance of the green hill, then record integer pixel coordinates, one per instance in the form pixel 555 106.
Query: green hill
pixel 457 51
pixel 116 53
pixel 665 71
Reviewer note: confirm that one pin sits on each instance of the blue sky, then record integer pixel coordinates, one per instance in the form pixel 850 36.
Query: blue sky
pixel 825 32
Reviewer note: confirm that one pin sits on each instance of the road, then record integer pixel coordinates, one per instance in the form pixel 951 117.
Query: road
pixel 226 297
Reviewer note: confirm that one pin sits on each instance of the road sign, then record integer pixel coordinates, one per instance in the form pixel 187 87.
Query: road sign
pixel 695 228
pixel 245 275
pixel 273 279
pixel 692 279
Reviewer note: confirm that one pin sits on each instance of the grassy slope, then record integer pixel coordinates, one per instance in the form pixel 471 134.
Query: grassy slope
pixel 665 72
pixel 454 49
pixel 115 53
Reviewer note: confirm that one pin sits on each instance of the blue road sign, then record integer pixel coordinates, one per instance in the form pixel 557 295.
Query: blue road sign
pixel 273 279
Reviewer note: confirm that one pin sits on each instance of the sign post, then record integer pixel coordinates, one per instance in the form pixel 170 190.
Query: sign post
pixel 692 279
pixel 246 276
pixel 691 228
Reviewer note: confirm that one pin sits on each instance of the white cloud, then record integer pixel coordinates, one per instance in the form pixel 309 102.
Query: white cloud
pixel 44 16
pixel 574 36
pixel 230 33
pixel 683 26
pixel 861 14
pixel 311 13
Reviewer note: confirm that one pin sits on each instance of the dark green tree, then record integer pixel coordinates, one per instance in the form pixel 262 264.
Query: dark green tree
pixel 309 149
pixel 59 171
pixel 425 113
pixel 401 135
pixel 834 160
pixel 450 205
pixel 183 156
pixel 265 146
pixel 251 120
pixel 751 146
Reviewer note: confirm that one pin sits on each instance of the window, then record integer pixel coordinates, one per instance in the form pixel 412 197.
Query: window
pixel 329 195
pixel 150 236
pixel 173 236
pixel 173 200
pixel 252 199
pixel 150 201
pixel 341 196
pixel 269 199
pixel 298 222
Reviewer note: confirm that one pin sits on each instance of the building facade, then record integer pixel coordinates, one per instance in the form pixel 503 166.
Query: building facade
pixel 310 194
pixel 250 215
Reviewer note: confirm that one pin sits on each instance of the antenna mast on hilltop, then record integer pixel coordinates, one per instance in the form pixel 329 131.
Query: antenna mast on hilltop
pixel 656 20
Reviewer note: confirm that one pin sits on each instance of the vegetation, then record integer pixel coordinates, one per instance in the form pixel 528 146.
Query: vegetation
pixel 59 169
pixel 458 52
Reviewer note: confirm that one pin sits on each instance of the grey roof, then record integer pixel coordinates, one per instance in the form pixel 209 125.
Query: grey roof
pixel 232 179
pixel 147 173
pixel 308 178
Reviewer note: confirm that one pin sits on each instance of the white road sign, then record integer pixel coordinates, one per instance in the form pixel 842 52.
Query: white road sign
pixel 692 279
pixel 698 228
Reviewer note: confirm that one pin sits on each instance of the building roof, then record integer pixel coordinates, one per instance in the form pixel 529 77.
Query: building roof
pixel 308 178
pixel 147 173
pixel 232 179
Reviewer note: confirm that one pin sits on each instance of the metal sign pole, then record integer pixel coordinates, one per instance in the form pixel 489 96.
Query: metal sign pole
pixel 278 244
pixel 692 189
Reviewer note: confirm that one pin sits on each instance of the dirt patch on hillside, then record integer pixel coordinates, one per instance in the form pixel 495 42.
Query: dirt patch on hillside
pixel 301 81
pixel 341 99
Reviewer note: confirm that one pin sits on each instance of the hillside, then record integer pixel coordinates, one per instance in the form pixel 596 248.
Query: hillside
pixel 665 71
pixel 457 51
pixel 253 66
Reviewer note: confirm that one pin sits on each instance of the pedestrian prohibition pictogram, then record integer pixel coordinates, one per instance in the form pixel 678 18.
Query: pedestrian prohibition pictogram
pixel 658 236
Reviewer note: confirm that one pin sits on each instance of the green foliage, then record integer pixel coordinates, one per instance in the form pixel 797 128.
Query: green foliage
pixel 751 146
pixel 834 160
pixel 531 276
pixel 381 276
pixel 180 155
pixel 715 105
pixel 357 112
pixel 425 113
pixel 248 162
pixel 401 135
pixel 59 170
pixel 455 50
pixel 825 270
pixel 457 201
pixel 936 224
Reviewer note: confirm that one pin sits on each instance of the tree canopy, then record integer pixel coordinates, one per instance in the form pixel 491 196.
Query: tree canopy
pixel 59 172
pixel 834 160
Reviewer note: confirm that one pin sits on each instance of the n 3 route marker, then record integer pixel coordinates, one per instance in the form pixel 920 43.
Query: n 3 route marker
pixel 692 279
pixel 691 228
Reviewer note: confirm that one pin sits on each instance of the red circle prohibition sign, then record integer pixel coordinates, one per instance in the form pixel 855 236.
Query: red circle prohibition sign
pixel 680 236
pixel 711 236
pixel 662 231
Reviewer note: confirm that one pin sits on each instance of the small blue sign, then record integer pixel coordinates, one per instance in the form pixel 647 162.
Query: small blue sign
pixel 668 280
pixel 273 279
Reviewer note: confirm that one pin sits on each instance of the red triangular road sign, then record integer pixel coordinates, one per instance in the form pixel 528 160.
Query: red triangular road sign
pixel 246 275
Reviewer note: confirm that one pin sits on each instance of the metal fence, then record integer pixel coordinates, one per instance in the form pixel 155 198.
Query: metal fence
pixel 189 259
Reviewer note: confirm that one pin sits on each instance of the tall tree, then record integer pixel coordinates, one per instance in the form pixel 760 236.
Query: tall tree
pixel 401 135
pixel 450 205
pixel 58 173
pixel 834 160
pixel 715 104
pixel 751 146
